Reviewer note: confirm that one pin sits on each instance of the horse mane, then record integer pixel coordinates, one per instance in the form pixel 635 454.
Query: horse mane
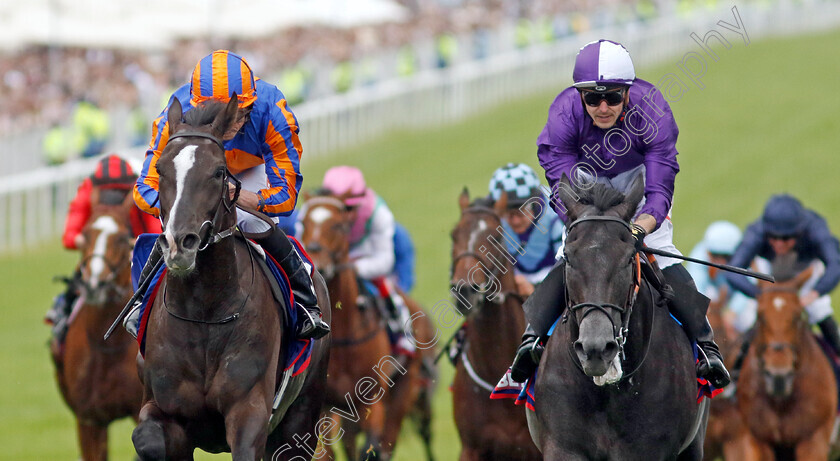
pixel 600 196
pixel 204 113
pixel 786 267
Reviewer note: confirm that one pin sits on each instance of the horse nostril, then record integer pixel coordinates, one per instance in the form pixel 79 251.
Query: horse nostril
pixel 190 242
pixel 579 349
pixel 314 248
pixel 610 349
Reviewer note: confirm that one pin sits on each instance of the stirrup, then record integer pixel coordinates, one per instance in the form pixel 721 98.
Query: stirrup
pixel 312 326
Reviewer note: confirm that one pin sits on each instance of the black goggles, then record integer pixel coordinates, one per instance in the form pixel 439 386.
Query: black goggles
pixel 781 236
pixel 594 98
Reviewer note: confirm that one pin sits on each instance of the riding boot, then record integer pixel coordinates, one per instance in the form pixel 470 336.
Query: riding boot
pixel 828 327
pixel 281 249
pixel 131 323
pixel 528 356
pixel 545 305
pixel 59 314
pixel 400 323
pixel 689 307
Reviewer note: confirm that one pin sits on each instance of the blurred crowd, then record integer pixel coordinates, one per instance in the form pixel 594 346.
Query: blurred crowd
pixel 72 90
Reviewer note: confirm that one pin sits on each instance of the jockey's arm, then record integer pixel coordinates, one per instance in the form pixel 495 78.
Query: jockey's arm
pixel 378 258
pixel 282 163
pixel 647 221
pixel 747 250
pixel 661 169
pixel 77 216
pixel 829 251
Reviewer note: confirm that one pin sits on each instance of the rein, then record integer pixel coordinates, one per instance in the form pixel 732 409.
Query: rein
pixel 229 318
pixel 620 333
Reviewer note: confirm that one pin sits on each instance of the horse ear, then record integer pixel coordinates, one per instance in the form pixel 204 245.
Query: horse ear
pixel 306 195
pixel 174 115
pixel 225 118
pixel 501 205
pixel 128 202
pixel 464 199
pixel 569 199
pixel 631 201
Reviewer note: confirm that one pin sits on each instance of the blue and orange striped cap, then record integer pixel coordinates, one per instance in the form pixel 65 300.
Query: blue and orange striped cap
pixel 219 75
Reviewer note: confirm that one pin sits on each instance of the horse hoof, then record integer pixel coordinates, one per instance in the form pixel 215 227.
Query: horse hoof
pixel 149 442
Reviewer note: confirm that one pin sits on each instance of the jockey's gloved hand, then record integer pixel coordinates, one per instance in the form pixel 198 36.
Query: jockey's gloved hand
pixel 639 233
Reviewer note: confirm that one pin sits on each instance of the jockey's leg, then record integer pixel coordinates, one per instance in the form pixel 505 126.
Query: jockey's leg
pixel 277 244
pixel 828 327
pixel 399 320
pixel 689 307
pixel 132 320
pixel 59 314
pixel 542 308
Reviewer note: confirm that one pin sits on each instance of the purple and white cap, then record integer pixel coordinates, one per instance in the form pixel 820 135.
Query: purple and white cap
pixel 603 63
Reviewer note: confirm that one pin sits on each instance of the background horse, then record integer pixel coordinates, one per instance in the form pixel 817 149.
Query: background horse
pixel 489 429
pixel 787 391
pixel 591 401
pixel 98 380
pixel 727 435
pixel 215 341
pixel 360 343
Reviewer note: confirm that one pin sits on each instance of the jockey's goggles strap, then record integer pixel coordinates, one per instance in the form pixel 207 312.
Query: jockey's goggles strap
pixel 198 134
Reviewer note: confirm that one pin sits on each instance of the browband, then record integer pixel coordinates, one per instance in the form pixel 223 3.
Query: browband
pixel 198 134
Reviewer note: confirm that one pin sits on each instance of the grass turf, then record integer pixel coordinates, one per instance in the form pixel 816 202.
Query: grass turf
pixel 761 125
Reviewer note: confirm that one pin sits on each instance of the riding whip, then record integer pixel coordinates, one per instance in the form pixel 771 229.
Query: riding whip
pixel 137 294
pixel 724 267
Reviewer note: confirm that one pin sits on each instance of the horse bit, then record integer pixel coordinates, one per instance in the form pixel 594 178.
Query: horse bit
pixel 620 333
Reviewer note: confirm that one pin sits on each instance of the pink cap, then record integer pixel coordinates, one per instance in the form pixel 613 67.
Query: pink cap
pixel 348 181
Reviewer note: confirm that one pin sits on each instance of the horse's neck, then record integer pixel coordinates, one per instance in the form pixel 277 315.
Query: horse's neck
pixel 218 270
pixel 495 329
pixel 344 289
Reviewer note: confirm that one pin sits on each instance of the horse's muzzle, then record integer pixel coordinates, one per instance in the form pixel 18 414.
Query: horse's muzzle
pixel 179 251
pixel 596 354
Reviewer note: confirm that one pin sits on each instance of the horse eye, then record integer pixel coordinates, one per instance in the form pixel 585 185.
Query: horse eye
pixel 220 173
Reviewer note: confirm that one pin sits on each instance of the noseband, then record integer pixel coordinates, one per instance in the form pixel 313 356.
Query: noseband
pixel 619 333
pixel 495 272
pixel 208 232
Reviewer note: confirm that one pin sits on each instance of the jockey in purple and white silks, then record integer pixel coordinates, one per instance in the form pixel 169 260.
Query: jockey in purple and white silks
pixel 611 127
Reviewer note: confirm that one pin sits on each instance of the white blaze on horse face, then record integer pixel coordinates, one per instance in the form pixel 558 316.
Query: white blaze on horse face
pixel 184 161
pixel 320 214
pixel 106 227
pixel 482 226
pixel 779 303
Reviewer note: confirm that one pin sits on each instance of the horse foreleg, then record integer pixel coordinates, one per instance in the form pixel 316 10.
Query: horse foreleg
pixel 401 399
pixel 150 442
pixel 743 447
pixel 93 441
pixel 818 445
pixel 246 426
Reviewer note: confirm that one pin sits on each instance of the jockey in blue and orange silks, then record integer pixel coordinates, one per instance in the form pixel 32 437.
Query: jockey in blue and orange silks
pixel 262 150
pixel 611 127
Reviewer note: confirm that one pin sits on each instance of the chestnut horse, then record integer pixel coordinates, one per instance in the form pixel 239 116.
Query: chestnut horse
pixel 215 341
pixel 98 380
pixel 787 392
pixel 727 435
pixel 489 429
pixel 361 349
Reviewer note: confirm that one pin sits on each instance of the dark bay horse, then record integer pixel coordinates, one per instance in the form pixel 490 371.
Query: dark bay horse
pixel 617 379
pixel 482 275
pixel 360 347
pixel 98 380
pixel 215 340
pixel 787 391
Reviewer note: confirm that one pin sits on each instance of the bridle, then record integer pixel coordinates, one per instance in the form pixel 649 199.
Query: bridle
pixel 761 346
pixel 110 282
pixel 208 233
pixel 621 332
pixel 495 272
pixel 336 267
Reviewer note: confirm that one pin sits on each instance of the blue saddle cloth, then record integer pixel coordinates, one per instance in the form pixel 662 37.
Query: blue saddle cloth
pixel 298 351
